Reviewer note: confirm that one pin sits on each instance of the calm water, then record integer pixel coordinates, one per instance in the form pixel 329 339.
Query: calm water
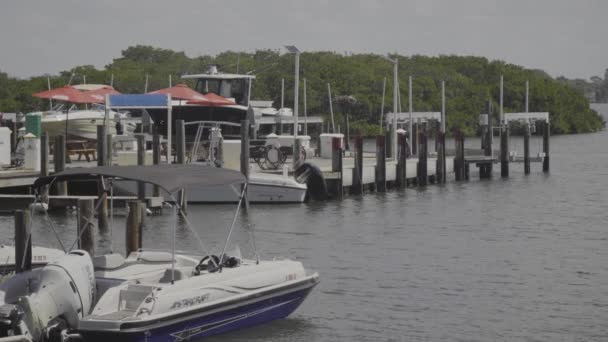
pixel 523 259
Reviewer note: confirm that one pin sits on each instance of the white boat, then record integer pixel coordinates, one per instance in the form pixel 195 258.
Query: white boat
pixel 40 257
pixel 151 295
pixel 82 124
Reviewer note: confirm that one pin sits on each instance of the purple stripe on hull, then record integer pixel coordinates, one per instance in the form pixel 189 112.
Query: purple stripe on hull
pixel 221 322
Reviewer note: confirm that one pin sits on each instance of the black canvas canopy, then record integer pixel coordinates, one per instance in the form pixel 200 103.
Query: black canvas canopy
pixel 170 177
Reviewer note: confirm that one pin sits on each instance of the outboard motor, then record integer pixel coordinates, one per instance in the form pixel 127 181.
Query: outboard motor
pixel 45 303
pixel 315 182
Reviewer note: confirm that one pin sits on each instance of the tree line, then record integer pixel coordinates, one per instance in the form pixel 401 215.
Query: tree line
pixel 471 82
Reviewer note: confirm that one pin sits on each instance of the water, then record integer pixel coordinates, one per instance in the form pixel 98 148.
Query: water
pixel 523 259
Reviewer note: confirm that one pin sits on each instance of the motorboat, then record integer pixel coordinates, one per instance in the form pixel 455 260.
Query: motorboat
pixel 152 295
pixel 82 123
pixel 40 257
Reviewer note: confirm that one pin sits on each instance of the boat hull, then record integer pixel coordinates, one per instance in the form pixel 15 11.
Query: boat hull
pixel 197 326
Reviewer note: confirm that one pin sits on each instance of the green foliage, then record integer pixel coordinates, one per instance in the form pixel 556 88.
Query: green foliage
pixel 470 83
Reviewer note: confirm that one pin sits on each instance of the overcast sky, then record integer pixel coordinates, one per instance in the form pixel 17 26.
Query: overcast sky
pixel 561 37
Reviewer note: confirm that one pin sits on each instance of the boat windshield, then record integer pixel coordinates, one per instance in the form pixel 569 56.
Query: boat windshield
pixel 228 88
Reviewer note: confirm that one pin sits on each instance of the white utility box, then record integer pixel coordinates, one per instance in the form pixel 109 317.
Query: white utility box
pixel 31 145
pixel 5 146
pixel 326 141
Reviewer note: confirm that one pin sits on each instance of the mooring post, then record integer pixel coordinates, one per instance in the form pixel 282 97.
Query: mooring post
pixel 44 164
pixel 141 160
pixel 61 187
pixel 101 145
pixel 440 164
pixel 109 149
pixel 297 150
pixel 336 165
pixel 380 163
pixel 155 156
pixel 357 185
pixel 485 169
pixel 504 151
pixel 459 156
pixel 415 138
pixel 527 149
pixel 134 226
pixel 402 161
pixel 546 134
pixel 245 158
pixel 85 231
pixel 422 157
pixel 23 241
pixel 388 138
pixel 180 149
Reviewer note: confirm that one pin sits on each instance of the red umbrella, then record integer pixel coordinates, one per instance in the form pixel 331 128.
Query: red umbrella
pixel 100 93
pixel 67 94
pixel 181 92
pixel 213 99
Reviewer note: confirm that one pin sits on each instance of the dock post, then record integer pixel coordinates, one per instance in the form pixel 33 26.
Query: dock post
pixel 504 151
pixel 101 145
pixel 155 156
pixel 336 165
pixel 180 149
pixel 527 149
pixel 109 149
pixel 402 161
pixel 415 138
pixel 141 159
pixel 44 164
pixel 388 146
pixel 546 134
pixel 23 241
pixel 134 226
pixel 440 165
pixel 86 235
pixel 459 157
pixel 422 157
pixel 61 187
pixel 357 186
pixel 485 169
pixel 380 163
pixel 297 150
pixel 245 158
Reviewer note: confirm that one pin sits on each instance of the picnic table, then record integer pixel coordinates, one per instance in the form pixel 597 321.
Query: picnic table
pixel 84 148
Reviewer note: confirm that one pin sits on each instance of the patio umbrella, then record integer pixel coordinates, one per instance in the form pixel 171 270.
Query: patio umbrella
pixel 100 93
pixel 213 99
pixel 67 94
pixel 181 92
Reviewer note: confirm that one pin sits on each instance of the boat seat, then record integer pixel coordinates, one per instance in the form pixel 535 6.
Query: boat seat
pixel 180 274
pixel 151 256
pixel 108 261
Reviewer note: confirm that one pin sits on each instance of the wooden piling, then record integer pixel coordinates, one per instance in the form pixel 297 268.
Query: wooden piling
pixel 180 149
pixel 155 156
pixel 459 159
pixel 380 163
pixel 245 157
pixel 109 149
pixel 527 149
pixel 546 134
pixel 61 187
pixel 440 166
pixel 23 241
pixel 101 146
pixel 85 231
pixel 402 161
pixel 141 159
pixel 422 157
pixel 357 184
pixel 504 152
pixel 336 165
pixel 134 226
pixel 414 135
pixel 297 153
pixel 388 145
pixel 44 164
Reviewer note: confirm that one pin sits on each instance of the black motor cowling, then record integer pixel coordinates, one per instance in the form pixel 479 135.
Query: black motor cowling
pixel 315 182
pixel 10 317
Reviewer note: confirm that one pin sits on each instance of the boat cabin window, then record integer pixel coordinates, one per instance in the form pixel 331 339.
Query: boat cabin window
pixel 230 88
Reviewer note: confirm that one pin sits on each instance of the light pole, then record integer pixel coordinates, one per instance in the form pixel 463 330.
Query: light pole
pixel 395 104
pixel 294 50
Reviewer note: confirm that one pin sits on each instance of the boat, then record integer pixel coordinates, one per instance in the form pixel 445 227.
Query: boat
pixel 40 257
pixel 152 295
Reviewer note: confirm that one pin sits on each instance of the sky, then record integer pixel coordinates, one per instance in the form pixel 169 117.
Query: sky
pixel 562 37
